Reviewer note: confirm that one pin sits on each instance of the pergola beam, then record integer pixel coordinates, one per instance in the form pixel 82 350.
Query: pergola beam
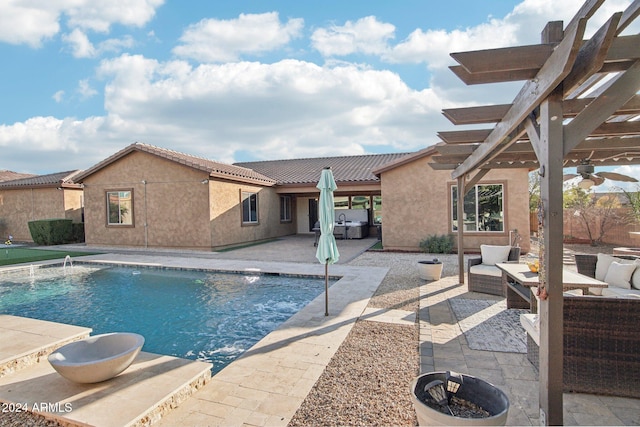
pixel 494 113
pixel 532 93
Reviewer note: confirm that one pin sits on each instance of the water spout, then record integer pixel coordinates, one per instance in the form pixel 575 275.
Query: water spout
pixel 32 271
pixel 64 266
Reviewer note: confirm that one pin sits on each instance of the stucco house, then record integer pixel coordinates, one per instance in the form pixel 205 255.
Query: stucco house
pixel 420 201
pixel 32 197
pixel 147 196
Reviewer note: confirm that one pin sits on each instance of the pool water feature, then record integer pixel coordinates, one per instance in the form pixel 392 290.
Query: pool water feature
pixel 207 316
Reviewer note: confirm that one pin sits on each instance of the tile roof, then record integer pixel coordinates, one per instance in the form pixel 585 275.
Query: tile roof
pixel 346 169
pixel 425 152
pixel 213 168
pixel 50 180
pixel 7 175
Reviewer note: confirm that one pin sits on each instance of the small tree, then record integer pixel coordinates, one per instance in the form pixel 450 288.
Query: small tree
pixel 534 190
pixel 596 214
pixel 633 197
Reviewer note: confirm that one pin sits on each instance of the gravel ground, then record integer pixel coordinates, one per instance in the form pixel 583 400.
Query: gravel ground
pixel 367 381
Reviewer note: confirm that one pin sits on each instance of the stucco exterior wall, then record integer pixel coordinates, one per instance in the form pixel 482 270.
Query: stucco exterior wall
pixel 19 206
pixel 416 202
pixel 227 228
pixel 172 202
pixel 179 210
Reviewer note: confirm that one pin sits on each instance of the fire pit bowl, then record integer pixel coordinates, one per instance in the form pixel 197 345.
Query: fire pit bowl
pixel 468 389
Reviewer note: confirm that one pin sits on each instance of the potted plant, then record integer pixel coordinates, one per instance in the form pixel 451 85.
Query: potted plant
pixel 434 244
pixel 449 398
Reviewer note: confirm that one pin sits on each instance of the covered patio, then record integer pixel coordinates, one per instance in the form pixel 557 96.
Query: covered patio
pixel 578 106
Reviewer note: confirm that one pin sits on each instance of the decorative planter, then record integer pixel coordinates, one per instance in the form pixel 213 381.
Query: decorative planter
pixel 471 389
pixel 430 270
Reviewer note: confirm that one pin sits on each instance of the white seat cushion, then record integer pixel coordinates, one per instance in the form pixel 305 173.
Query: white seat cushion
pixel 487 270
pixel 619 275
pixel 491 254
pixel 602 265
pixel 615 292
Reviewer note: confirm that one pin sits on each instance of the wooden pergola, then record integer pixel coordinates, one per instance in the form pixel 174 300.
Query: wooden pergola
pixel 579 103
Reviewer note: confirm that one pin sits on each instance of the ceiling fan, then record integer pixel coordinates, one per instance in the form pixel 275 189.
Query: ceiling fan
pixel 589 178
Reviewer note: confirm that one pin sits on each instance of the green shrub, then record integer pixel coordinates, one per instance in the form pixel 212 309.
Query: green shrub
pixel 437 244
pixel 77 232
pixel 51 231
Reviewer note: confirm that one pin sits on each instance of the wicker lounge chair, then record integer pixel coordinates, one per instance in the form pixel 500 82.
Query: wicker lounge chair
pixel 486 283
pixel 601 346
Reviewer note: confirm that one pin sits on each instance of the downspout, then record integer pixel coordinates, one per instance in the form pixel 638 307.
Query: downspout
pixel 460 214
pixel 146 227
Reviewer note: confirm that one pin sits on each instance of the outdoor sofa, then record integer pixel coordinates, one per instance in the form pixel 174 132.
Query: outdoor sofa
pixel 483 275
pixel 623 277
pixel 601 344
pixel 601 338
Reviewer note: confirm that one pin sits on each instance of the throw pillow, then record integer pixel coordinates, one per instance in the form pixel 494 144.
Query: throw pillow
pixel 492 254
pixel 602 265
pixel 635 279
pixel 619 275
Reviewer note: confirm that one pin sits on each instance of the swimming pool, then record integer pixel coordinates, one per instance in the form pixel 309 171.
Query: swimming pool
pixel 207 316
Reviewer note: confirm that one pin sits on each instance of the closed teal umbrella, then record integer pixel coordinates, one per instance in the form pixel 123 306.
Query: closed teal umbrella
pixel 327 252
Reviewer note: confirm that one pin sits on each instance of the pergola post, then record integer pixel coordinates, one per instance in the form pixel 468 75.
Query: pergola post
pixel 550 290
pixel 460 213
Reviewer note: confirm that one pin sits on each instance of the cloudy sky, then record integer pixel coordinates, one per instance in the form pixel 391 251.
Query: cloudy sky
pixel 245 80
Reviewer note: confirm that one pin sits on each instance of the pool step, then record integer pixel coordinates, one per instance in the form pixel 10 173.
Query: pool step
pixel 25 341
pixel 152 386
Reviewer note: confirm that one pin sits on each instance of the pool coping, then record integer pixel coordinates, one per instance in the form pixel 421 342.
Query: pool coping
pixel 267 384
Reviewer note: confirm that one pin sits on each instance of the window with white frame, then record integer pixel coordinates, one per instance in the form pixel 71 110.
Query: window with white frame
pixel 249 207
pixel 120 207
pixel 285 208
pixel 483 208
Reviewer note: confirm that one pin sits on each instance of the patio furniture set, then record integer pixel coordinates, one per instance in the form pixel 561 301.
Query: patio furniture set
pixel 601 312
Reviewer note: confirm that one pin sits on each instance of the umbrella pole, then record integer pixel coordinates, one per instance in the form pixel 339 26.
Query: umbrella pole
pixel 326 289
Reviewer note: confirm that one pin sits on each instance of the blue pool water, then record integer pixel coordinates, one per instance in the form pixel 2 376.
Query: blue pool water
pixel 213 317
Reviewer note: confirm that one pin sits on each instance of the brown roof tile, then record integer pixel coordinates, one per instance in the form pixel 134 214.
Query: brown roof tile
pixel 213 168
pixel 347 169
pixel 6 175
pixel 49 180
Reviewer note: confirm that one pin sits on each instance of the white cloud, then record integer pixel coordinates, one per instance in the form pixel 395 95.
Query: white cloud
pixel 366 35
pixel 31 23
pixel 58 96
pixel 79 43
pixel 99 15
pixel 28 24
pixel 214 40
pixel 85 90
pixel 283 110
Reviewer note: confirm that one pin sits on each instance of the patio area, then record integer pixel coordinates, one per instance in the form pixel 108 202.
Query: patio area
pixel 355 367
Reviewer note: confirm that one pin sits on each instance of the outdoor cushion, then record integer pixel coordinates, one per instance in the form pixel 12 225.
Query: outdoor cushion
pixel 602 265
pixel 487 270
pixel 620 293
pixel 635 277
pixel 492 254
pixel 619 275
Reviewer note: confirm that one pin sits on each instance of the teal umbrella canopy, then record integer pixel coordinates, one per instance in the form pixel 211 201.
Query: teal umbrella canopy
pixel 327 252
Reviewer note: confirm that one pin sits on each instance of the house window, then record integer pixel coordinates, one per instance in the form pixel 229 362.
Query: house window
pixel 249 208
pixel 285 208
pixel 483 208
pixel 120 207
